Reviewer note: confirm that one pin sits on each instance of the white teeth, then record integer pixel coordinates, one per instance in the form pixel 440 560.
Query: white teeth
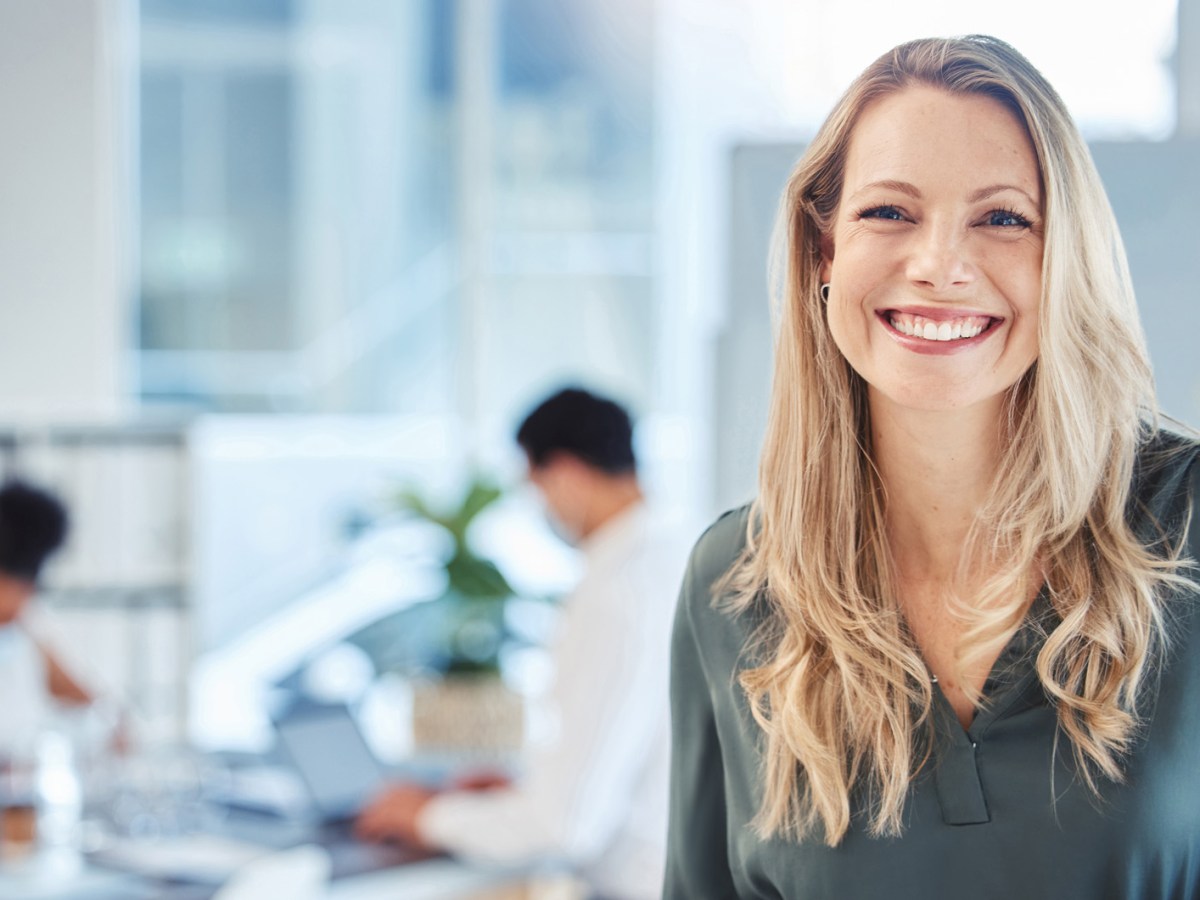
pixel 915 326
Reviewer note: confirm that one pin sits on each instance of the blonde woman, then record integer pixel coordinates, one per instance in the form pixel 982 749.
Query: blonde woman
pixel 950 649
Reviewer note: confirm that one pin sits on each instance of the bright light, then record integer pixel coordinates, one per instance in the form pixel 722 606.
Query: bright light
pixel 1112 70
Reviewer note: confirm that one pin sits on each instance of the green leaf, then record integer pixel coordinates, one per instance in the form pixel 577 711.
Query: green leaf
pixel 408 499
pixel 480 496
pixel 475 577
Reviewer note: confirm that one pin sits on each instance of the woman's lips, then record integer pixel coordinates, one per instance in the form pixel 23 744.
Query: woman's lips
pixel 937 331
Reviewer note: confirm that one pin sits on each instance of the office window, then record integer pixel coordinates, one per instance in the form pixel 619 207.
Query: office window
pixel 337 215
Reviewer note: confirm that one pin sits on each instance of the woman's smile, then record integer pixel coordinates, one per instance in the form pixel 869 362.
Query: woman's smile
pixel 938 331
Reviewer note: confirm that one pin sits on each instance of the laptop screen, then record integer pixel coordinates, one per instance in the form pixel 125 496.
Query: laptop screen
pixel 326 747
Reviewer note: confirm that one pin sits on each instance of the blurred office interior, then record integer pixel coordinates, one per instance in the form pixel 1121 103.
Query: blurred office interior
pixel 264 263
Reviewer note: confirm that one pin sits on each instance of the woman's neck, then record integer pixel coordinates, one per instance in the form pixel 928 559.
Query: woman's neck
pixel 937 469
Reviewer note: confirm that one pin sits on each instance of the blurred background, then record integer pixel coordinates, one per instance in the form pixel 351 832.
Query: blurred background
pixel 266 264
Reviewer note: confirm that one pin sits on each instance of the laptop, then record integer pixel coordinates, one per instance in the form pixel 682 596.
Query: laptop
pixel 339 773
pixel 324 745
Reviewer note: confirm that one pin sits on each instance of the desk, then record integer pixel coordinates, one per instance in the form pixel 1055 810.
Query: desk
pixel 436 879
pixel 44 877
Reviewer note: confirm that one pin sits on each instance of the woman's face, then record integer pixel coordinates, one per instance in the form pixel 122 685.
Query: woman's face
pixel 935 255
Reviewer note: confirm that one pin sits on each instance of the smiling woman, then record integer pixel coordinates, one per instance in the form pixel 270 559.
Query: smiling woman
pixel 938 640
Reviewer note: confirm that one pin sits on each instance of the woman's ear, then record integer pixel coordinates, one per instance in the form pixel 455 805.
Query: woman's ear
pixel 825 245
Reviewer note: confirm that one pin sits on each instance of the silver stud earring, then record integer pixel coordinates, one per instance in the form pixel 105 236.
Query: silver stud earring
pixel 825 292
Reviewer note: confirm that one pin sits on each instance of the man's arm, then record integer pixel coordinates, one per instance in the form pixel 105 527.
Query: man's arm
pixel 60 684
pixel 609 659
pixel 70 685
pixel 393 814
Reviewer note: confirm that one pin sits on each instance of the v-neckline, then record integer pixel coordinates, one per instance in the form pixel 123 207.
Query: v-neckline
pixel 1004 683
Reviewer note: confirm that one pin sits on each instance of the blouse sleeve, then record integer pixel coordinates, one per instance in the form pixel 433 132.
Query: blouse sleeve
pixel 697 837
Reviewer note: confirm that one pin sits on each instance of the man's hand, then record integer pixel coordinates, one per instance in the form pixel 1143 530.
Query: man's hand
pixel 392 816
pixel 483 780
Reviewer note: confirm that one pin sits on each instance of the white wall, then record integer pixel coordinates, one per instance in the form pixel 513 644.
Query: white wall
pixel 62 305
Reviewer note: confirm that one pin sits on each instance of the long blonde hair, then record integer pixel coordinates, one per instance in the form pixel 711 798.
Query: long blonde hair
pixel 836 684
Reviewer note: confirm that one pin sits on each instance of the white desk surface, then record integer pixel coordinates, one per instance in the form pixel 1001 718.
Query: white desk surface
pixel 436 879
pixel 39 878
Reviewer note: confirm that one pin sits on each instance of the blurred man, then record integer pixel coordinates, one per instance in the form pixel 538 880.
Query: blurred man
pixel 33 524
pixel 597 797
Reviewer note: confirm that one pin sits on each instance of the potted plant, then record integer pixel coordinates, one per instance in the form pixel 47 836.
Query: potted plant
pixel 468 708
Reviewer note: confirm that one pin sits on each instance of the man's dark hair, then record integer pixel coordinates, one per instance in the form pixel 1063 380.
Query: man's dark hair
pixel 593 429
pixel 33 524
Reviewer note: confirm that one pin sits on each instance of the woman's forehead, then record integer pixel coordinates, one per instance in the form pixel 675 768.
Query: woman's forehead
pixel 929 138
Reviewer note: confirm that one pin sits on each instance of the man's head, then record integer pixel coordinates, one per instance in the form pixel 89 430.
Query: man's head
pixel 580 452
pixel 33 524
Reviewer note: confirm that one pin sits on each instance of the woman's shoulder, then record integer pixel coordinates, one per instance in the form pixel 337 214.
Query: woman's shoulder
pixel 1164 471
pixel 719 546
pixel 721 634
pixel 1166 486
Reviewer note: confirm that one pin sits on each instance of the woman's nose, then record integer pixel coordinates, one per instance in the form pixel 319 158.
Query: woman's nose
pixel 939 259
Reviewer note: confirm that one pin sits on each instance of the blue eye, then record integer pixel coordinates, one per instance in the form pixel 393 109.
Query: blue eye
pixel 882 212
pixel 1006 218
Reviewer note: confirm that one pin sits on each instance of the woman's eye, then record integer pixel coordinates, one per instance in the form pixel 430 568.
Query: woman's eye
pixel 1006 218
pixel 882 212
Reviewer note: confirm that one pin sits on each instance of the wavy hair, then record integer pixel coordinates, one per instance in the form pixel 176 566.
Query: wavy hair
pixel 833 678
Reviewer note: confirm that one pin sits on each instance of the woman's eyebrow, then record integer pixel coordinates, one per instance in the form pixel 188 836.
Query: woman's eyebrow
pixel 992 190
pixel 902 187
pixel 911 190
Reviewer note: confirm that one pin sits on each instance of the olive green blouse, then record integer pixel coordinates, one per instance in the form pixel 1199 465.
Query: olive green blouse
pixel 999 813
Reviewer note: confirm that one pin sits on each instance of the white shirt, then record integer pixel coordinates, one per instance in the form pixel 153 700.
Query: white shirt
pixel 596 798
pixel 24 696
pixel 28 707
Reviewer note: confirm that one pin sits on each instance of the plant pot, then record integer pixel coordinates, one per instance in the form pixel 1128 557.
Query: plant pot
pixel 467 714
